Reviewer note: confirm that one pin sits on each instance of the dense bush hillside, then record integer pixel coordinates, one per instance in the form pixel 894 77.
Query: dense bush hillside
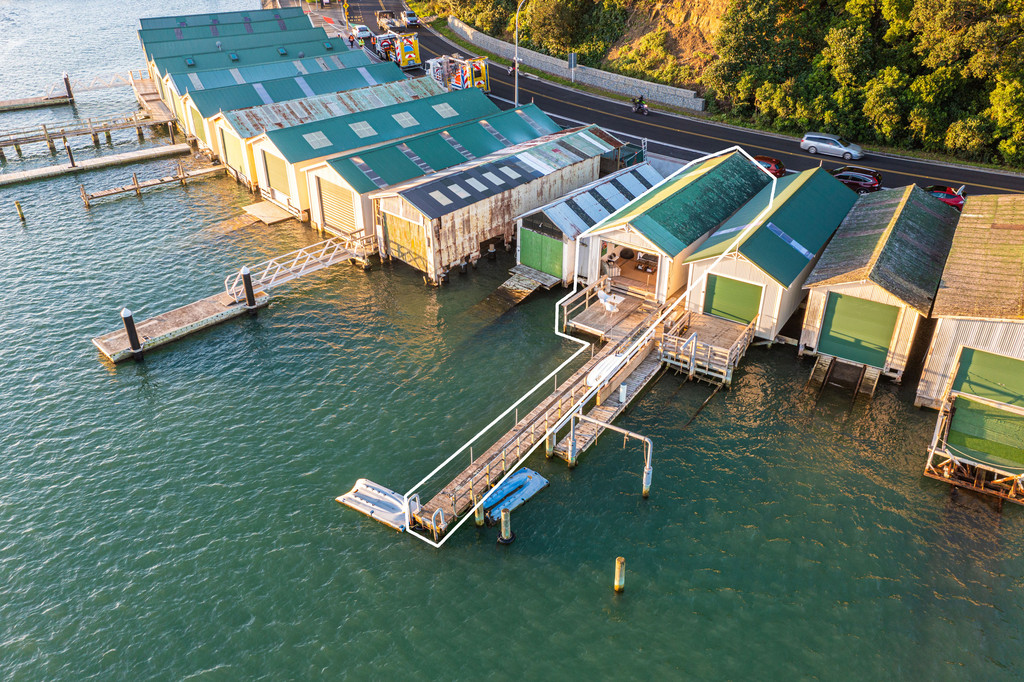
pixel 937 75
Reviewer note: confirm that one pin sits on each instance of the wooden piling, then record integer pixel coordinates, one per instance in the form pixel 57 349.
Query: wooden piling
pixel 181 174
pixel 49 141
pixel 506 537
pixel 138 129
pixel 67 87
pixel 135 183
pixel 85 197
pixel 21 214
pixel 110 140
pixel 620 574
pixel 170 130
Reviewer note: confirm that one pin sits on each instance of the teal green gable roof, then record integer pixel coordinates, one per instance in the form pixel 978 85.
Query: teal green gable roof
pixel 210 102
pixel 809 207
pixel 341 137
pixel 159 35
pixel 255 55
pixel 689 204
pixel 237 17
pixel 233 43
pixel 258 73
pixel 393 166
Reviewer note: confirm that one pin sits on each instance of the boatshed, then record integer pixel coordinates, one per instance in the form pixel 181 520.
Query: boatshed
pixel 220 18
pixel 442 220
pixel 339 188
pixel 974 370
pixel 644 245
pixel 282 156
pixel 201 106
pixel 148 36
pixel 546 237
pixel 233 131
pixel 876 280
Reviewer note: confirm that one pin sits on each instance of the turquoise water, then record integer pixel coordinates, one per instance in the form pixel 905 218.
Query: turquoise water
pixel 175 518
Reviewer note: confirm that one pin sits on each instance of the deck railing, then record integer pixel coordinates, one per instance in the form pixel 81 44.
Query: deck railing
pixel 689 353
pixel 582 300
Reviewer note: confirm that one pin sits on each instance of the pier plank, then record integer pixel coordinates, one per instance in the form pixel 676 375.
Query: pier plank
pixel 92 164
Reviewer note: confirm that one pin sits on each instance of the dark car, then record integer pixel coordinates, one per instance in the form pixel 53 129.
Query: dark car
pixel 860 180
pixel 773 166
pixel 948 195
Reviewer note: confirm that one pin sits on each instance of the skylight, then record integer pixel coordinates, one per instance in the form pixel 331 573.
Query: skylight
pixel 362 129
pixel 404 119
pixel 440 198
pixel 317 140
pixel 445 110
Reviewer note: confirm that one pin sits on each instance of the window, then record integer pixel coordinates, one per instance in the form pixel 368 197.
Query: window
pixel 317 140
pixel 362 129
pixel 405 119
pixel 445 110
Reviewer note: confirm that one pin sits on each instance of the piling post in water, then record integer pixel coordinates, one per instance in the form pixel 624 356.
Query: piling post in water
pixel 3 159
pixel 85 197
pixel 181 174
pixel 620 573
pixel 17 149
pixel 478 516
pixel 110 140
pixel 135 184
pixel 250 293
pixel 21 214
pixel 492 253
pixel 138 129
pixel 71 157
pixel 67 86
pixel 133 334
pixel 170 131
pixel 49 141
pixel 506 537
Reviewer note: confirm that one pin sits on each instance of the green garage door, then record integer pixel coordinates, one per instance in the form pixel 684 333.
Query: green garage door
pixel 996 377
pixel 857 330
pixel 987 434
pixel 540 252
pixel 732 299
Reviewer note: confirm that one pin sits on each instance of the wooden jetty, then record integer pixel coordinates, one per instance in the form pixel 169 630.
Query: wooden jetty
pixel 92 127
pixel 45 101
pixel 164 328
pixel 707 347
pixel 93 164
pixel 148 97
pixel 181 175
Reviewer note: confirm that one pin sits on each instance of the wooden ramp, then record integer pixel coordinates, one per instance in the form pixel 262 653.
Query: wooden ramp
pixel 268 212
pixel 523 282
pixel 164 328
pixel 93 164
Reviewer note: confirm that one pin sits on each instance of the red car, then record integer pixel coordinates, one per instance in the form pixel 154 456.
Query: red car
pixel 860 180
pixel 948 195
pixel 773 166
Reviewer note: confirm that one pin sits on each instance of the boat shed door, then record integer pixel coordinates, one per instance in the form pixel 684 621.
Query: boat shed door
pixel 277 173
pixel 232 150
pixel 540 252
pixel 856 329
pixel 336 206
pixel 732 299
pixel 198 124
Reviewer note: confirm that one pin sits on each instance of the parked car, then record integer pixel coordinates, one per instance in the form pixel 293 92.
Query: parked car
pixel 860 180
pixel 360 31
pixel 773 166
pixel 833 145
pixel 410 18
pixel 948 195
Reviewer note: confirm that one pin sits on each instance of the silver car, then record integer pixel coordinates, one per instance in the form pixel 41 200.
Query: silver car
pixel 833 145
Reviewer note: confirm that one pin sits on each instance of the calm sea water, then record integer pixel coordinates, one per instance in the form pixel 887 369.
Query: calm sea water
pixel 175 518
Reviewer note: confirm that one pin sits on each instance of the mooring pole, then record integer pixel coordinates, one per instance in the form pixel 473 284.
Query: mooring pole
pixel 21 214
pixel 507 537
pixel 71 157
pixel 67 86
pixel 133 334
pixel 620 574
pixel 250 293
pixel 478 515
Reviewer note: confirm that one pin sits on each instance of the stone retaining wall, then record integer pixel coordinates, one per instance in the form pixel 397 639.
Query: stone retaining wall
pixel 652 92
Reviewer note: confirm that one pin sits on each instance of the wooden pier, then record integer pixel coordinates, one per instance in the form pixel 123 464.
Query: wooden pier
pixel 62 131
pixel 148 97
pixel 181 176
pixel 93 164
pixel 164 328
pixel 45 101
pixel 707 347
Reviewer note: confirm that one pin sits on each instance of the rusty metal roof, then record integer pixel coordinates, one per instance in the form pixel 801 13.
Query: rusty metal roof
pixel 984 273
pixel 255 120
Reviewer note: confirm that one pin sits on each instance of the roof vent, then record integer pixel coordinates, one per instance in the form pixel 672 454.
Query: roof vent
pixel 218 45
pixel 281 51
pixel 301 55
pixel 232 56
pixel 328 46
pixel 189 61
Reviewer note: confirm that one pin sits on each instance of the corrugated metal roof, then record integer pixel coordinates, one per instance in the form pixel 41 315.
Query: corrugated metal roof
pixel 355 131
pixel 157 35
pixel 897 239
pixel 691 202
pixel 580 210
pixel 274 93
pixel 984 273
pixel 238 17
pixel 438 150
pixel 229 43
pixel 439 194
pixel 255 120
pixel 808 208
pixel 254 55
pixel 259 73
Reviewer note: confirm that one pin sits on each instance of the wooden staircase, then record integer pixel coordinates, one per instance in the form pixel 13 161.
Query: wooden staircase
pixel 823 367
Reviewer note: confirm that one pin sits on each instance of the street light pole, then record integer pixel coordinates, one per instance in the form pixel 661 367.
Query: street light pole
pixel 515 61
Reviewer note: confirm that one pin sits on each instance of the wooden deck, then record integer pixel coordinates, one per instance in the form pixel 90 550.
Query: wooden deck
pixel 597 321
pixel 92 164
pixel 715 351
pixel 164 328
pixel 181 176
pixel 268 212
pixel 148 97
pixel 91 127
pixel 34 102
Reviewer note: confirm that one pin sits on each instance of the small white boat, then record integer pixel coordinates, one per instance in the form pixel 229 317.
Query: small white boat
pixel 377 502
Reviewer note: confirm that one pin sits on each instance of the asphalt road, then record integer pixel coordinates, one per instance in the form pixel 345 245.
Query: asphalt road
pixel 688 138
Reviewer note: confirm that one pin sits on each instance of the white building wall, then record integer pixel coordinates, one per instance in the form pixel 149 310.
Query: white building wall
pixel 735 266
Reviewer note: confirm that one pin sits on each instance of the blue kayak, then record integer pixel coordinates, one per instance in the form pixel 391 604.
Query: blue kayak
pixel 517 488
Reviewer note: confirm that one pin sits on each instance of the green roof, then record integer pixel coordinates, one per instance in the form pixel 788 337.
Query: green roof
pixel 392 165
pixel 367 129
pixel 695 200
pixel 807 210
pixel 257 73
pixel 159 35
pixel 897 239
pixel 230 43
pixel 210 102
pixel 238 17
pixel 984 273
pixel 254 55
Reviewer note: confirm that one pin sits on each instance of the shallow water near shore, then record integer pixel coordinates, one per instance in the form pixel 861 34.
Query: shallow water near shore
pixel 175 518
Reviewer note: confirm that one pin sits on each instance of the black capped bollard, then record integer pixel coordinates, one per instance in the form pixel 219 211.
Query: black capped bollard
pixel 250 293
pixel 133 335
pixel 492 253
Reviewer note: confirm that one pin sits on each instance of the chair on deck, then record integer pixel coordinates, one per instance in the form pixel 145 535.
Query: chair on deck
pixel 607 302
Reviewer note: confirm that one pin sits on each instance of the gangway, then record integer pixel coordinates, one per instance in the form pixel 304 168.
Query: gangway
pixel 276 271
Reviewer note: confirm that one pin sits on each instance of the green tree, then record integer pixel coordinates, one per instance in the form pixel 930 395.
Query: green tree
pixel 885 103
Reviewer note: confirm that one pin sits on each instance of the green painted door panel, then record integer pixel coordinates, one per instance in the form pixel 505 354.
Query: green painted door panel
pixel 856 329
pixel 996 377
pixel 732 299
pixel 540 252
